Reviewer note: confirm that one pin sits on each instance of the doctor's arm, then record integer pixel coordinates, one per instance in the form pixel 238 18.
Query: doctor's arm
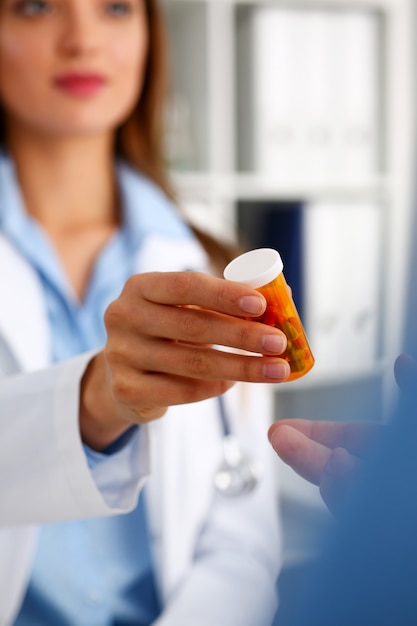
pixel 44 473
pixel 159 353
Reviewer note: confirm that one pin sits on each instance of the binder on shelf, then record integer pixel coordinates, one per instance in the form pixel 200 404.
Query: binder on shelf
pixel 316 93
pixel 342 284
pixel 266 97
pixel 355 44
pixel 308 86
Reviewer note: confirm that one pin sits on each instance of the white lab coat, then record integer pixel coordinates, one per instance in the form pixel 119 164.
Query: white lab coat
pixel 216 558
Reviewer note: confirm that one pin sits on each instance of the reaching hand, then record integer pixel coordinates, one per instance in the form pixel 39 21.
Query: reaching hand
pixel 329 454
pixel 324 453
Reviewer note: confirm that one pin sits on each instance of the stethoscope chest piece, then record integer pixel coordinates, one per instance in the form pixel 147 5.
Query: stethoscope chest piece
pixel 238 474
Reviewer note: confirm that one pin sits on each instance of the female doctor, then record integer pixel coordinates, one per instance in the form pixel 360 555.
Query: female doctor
pixel 110 385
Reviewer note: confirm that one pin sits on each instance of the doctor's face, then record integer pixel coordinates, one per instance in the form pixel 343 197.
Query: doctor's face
pixel 70 67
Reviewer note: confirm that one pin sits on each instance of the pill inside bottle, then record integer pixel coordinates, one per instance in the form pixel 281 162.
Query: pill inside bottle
pixel 262 269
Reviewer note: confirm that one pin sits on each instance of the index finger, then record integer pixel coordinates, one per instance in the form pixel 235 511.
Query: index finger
pixel 299 451
pixel 353 436
pixel 203 290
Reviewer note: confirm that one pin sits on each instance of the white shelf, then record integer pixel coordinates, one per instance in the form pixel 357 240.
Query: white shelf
pixel 324 377
pixel 206 54
pixel 237 186
pixel 204 45
pixel 345 4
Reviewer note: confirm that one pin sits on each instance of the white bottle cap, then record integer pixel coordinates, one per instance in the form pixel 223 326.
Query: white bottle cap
pixel 255 268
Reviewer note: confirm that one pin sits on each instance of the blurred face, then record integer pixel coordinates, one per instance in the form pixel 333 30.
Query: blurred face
pixel 71 66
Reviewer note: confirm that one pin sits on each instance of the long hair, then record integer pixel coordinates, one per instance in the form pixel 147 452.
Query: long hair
pixel 140 139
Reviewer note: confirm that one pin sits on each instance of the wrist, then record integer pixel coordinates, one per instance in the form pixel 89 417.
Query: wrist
pixel 100 422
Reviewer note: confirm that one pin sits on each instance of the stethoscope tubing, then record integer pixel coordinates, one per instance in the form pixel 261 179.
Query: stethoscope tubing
pixel 237 475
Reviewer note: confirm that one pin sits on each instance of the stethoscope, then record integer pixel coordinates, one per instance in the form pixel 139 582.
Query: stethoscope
pixel 238 474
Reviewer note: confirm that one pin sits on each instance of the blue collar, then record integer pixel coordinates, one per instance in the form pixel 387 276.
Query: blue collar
pixel 146 210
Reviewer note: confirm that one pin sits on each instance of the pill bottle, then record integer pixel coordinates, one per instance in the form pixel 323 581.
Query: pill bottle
pixel 262 269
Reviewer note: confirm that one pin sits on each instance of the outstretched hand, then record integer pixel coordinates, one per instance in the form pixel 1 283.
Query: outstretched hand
pixel 329 454
pixel 164 333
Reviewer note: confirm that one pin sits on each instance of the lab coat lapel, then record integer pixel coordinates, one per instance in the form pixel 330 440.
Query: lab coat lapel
pixel 176 508
pixel 185 452
pixel 164 254
pixel 23 318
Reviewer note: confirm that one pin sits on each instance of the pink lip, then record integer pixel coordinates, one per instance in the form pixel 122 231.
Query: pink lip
pixel 81 85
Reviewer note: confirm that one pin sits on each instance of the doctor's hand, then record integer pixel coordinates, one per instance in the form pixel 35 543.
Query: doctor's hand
pixel 329 454
pixel 161 350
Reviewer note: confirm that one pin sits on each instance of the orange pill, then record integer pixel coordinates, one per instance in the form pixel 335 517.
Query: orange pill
pixel 290 331
pixel 296 322
pixel 297 366
pixel 281 318
pixel 299 342
pixel 299 354
pixel 270 316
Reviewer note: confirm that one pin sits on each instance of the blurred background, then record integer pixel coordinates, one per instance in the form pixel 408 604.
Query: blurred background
pixel 292 125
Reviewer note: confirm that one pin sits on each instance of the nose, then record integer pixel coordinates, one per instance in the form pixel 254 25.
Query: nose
pixel 80 30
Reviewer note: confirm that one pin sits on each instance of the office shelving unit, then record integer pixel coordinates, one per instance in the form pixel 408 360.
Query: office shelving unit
pixel 210 67
pixel 205 57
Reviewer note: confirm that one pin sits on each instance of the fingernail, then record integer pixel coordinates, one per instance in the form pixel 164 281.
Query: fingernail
pixel 276 371
pixel 274 343
pixel 252 304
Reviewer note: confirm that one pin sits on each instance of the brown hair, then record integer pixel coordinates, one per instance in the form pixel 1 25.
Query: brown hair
pixel 139 139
